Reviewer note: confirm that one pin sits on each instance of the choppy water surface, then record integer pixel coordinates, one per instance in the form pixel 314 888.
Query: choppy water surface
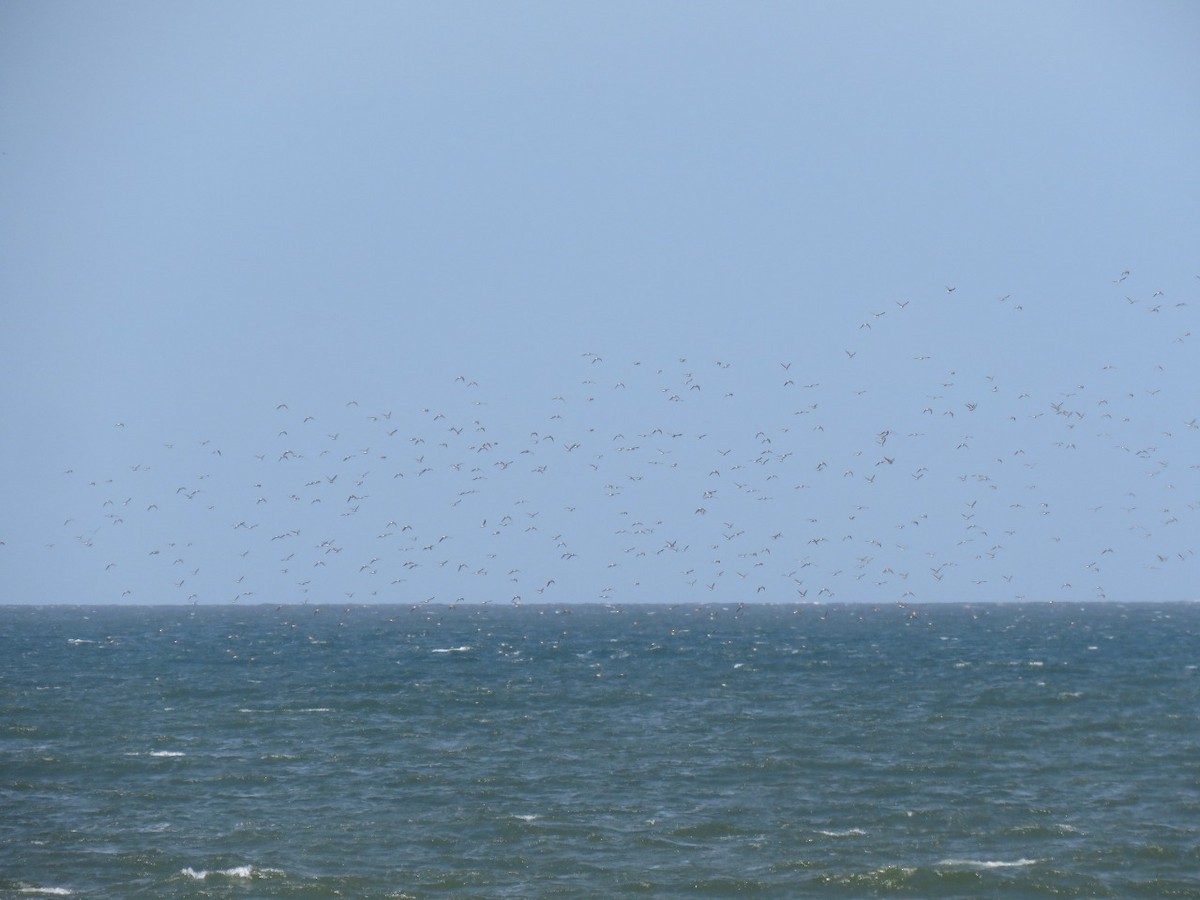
pixel 816 751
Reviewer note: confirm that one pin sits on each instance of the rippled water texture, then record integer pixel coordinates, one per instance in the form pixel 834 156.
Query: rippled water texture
pixel 587 751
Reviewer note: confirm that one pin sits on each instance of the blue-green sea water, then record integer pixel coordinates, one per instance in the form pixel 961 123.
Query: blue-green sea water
pixel 590 751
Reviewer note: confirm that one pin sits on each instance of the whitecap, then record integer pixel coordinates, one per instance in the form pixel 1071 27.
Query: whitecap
pixel 48 891
pixel 989 863
pixel 166 753
pixel 234 872
pixel 847 832
pixel 78 641
pixel 462 649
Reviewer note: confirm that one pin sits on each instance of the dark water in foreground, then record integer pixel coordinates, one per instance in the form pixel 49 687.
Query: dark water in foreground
pixel 840 751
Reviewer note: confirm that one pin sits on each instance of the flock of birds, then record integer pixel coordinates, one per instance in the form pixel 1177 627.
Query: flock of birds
pixel 943 475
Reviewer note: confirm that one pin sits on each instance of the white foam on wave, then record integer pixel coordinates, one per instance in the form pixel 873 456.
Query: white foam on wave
pixel 47 891
pixel 78 641
pixel 166 753
pixel 234 872
pixel 1039 828
pixel 462 649
pixel 989 863
pixel 846 832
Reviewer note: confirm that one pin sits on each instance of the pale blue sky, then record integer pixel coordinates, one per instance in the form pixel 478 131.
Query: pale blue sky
pixel 210 210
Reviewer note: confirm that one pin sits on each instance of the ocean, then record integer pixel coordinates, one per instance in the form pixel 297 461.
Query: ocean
pixel 1008 750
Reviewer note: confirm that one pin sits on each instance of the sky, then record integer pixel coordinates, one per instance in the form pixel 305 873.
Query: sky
pixel 619 302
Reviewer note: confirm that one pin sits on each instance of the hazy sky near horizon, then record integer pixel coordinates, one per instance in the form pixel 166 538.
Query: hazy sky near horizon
pixel 309 301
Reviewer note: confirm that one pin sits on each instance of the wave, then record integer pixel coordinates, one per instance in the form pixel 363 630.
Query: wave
pixel 161 754
pixel 988 863
pixel 234 872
